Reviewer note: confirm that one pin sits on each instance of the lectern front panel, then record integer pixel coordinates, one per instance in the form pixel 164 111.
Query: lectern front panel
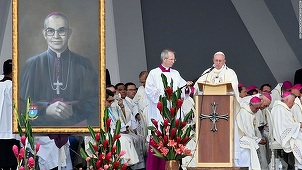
pixel 214 131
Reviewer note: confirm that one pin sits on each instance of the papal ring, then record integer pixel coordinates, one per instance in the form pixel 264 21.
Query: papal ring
pixel 59 110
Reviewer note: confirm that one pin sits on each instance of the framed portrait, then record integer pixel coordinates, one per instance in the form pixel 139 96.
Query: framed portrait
pixel 59 64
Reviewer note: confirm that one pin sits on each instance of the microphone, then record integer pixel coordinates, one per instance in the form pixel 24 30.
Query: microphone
pixel 213 66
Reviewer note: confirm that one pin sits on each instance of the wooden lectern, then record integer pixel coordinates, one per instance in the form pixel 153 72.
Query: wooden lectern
pixel 214 125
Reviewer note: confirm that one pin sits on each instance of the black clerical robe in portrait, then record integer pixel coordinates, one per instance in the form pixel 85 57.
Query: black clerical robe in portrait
pixel 78 87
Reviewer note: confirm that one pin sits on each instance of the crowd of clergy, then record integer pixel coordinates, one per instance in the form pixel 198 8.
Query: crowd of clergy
pixel 262 116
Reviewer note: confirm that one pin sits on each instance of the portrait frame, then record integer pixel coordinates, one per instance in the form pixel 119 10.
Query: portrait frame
pixel 19 60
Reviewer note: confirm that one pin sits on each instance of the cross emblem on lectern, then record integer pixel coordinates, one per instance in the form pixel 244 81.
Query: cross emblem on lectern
pixel 214 117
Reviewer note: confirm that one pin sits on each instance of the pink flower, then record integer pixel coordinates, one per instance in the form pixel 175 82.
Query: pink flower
pixel 31 162
pixel 37 146
pixel 122 153
pixel 21 154
pixel 106 167
pixel 21 168
pixel 16 150
pixel 172 143
pixel 164 151
pixel 88 159
pixel 23 140
pixel 187 152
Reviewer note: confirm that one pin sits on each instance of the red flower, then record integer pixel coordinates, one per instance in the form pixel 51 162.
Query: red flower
pixel 183 124
pixel 158 133
pixel 124 167
pixel 173 132
pixel 165 139
pixel 178 139
pixel 97 137
pixel 98 163
pixel 108 156
pixel 116 164
pixel 172 111
pixel 169 92
pixel 113 149
pixel 95 147
pixel 177 123
pixel 184 140
pixel 160 106
pixel 166 122
pixel 108 121
pixel 105 143
pixel 115 137
pixel 37 146
pixel 155 123
pixel 179 103
pixel 31 162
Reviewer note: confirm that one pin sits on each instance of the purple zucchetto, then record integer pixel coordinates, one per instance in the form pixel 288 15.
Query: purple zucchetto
pixel 251 87
pixel 285 94
pixel 255 100
pixel 240 85
pixel 297 86
pixel 287 85
pixel 267 95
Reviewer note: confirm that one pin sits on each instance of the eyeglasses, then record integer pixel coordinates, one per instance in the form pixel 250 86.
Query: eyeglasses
pixel 266 91
pixel 218 61
pixel 171 59
pixel 61 31
pixel 110 101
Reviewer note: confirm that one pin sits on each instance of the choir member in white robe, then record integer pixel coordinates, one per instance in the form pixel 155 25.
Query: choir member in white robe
pixel 7 138
pixel 248 140
pixel 219 73
pixel 129 141
pixel 154 88
pixel 141 100
pixel 50 155
pixel 286 130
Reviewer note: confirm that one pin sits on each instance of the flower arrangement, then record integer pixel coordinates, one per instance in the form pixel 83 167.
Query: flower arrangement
pixel 24 162
pixel 105 150
pixel 169 138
